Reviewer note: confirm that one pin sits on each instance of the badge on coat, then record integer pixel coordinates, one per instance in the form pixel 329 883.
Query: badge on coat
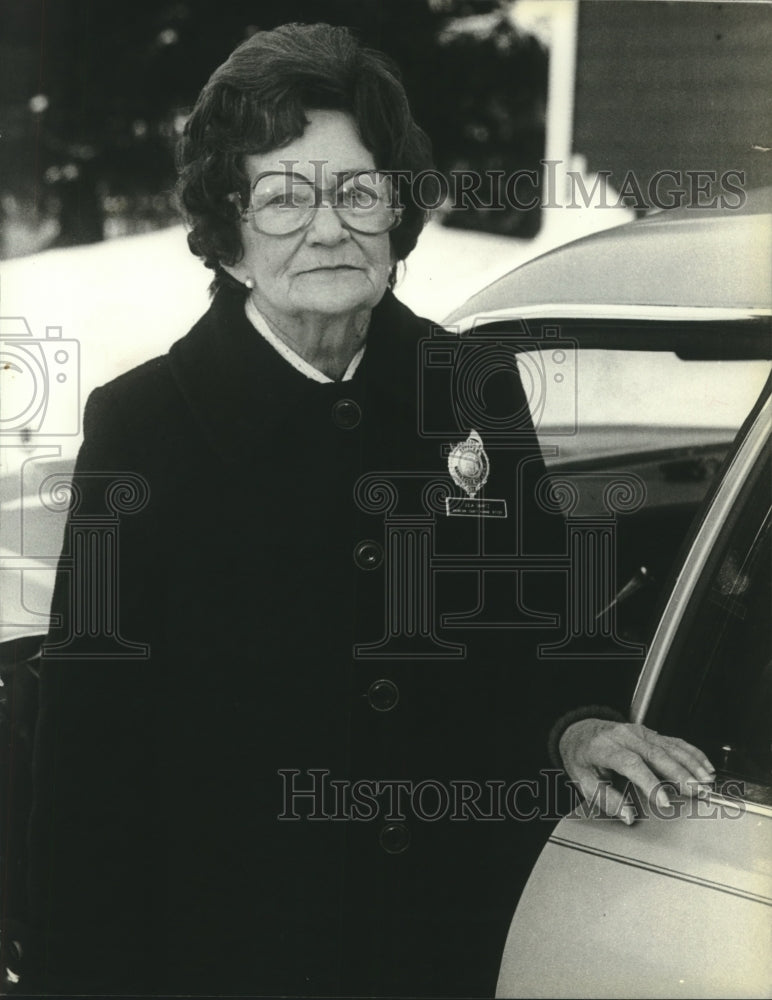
pixel 469 467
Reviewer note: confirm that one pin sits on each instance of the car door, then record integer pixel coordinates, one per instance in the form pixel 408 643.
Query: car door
pixel 680 904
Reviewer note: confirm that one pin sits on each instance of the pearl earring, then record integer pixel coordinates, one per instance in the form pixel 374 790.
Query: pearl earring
pixel 249 283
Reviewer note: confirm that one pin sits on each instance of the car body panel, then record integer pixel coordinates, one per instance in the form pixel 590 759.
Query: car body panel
pixel 662 910
pixel 684 259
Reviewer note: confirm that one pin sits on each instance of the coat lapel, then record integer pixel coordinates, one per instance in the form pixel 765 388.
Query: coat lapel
pixel 242 393
pixel 237 386
pixel 393 391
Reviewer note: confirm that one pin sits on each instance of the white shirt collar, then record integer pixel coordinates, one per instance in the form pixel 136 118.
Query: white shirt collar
pixel 300 364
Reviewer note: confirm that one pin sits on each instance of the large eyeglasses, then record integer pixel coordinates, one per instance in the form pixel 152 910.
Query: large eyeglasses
pixel 285 202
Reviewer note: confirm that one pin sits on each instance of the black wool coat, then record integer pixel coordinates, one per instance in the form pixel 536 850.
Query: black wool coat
pixel 248 647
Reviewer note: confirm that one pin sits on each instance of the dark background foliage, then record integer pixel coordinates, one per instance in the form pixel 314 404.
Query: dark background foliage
pixel 94 95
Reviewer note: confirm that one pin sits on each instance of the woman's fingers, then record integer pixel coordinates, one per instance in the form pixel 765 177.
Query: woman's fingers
pixel 670 758
pixel 599 793
pixel 629 763
pixel 691 757
pixel 666 756
pixel 673 765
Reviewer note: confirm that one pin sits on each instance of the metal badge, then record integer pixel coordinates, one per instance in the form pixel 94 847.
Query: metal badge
pixel 469 467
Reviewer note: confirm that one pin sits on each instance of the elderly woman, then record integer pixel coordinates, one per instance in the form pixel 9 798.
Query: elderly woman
pixel 272 765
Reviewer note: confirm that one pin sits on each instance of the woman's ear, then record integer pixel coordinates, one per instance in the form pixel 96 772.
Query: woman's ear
pixel 238 273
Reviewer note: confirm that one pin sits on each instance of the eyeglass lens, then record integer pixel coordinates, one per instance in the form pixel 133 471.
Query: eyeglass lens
pixel 284 202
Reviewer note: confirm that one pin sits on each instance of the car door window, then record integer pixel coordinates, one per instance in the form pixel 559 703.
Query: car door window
pixel 589 403
pixel 716 685
pixel 659 419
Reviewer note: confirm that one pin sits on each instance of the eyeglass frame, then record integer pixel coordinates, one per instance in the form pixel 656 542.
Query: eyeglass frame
pixel 248 213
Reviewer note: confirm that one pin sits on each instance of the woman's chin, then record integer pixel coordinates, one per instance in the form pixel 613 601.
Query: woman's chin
pixel 338 292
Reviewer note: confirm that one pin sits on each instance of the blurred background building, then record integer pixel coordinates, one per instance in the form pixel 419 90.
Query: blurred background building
pixel 674 86
pixel 93 96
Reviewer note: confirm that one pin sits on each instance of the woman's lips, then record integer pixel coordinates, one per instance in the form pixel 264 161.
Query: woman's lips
pixel 331 267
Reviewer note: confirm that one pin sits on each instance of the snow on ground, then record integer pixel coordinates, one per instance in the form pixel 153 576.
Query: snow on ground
pixel 123 300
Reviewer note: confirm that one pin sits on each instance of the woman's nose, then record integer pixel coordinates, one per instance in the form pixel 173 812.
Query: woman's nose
pixel 326 227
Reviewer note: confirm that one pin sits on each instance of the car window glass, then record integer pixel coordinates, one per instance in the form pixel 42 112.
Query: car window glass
pixel 716 687
pixel 653 422
pixel 617 401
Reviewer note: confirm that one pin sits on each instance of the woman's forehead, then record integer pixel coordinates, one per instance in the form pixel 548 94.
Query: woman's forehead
pixel 329 147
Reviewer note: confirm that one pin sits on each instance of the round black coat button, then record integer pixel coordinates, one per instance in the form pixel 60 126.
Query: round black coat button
pixel 368 554
pixel 383 695
pixel 394 838
pixel 346 414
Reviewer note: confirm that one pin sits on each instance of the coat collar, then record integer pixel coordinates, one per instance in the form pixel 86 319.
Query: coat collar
pixel 241 391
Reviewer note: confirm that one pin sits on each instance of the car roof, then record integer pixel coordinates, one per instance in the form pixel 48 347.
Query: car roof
pixel 680 259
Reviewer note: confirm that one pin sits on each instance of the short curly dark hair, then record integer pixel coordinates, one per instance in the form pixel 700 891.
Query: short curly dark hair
pixel 256 102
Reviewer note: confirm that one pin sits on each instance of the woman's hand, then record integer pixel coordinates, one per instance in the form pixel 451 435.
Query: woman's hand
pixel 593 750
